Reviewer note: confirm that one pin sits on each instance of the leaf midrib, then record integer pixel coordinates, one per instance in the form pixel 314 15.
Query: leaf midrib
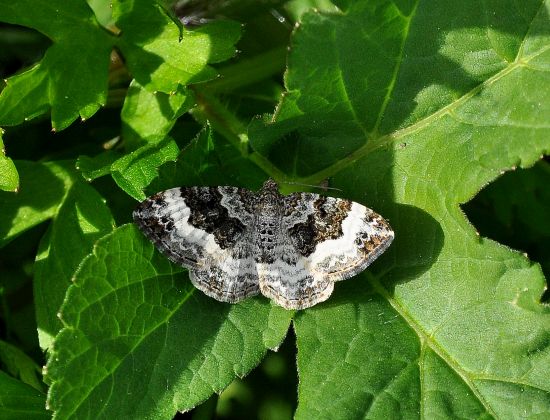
pixel 427 341
pixel 387 140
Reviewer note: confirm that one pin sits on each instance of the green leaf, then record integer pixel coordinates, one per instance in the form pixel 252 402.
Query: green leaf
pixel 97 166
pixel 136 170
pixel 208 160
pixel 42 189
pixel 148 114
pixel 411 109
pixel 9 178
pixel 32 85
pixel 20 401
pixel 331 89
pixel 70 84
pixel 54 190
pixel 147 118
pixel 132 318
pixel 157 57
pixel 72 81
pixel 82 218
pixel 20 366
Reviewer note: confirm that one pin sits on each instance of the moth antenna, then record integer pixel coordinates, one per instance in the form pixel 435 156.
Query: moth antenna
pixel 323 187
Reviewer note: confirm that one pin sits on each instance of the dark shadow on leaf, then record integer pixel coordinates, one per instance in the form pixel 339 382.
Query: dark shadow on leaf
pixel 208 160
pixel 418 242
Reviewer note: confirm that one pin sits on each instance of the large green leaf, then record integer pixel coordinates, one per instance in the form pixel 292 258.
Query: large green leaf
pixel 133 318
pixel 411 108
pixel 71 80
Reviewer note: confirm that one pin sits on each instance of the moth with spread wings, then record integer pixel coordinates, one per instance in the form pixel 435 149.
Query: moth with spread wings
pixel 237 243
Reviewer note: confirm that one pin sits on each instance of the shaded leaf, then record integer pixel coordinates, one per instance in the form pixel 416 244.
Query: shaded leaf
pixel 20 366
pixel 9 178
pixel 20 401
pixel 519 201
pixel 208 160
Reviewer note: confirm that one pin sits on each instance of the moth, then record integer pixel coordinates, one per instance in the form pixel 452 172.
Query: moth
pixel 237 243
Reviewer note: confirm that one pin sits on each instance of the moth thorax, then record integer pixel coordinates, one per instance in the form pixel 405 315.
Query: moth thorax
pixel 267 227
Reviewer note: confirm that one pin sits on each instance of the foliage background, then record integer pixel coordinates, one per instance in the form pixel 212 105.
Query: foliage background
pixel 435 115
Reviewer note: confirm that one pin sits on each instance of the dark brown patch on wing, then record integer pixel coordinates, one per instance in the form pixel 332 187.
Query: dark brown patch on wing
pixel 207 213
pixel 371 243
pixel 323 224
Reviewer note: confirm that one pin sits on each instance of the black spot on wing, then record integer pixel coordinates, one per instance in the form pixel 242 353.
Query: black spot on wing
pixel 207 213
pixel 324 222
